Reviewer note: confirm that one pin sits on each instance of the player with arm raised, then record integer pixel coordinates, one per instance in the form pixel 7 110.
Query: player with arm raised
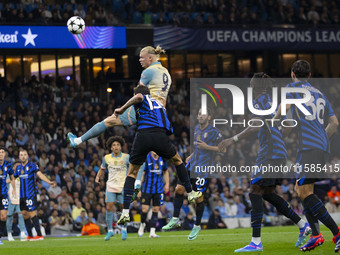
pixel 27 172
pixel 152 190
pixel 206 139
pixel 117 164
pixel 272 153
pixel 313 150
pixel 153 128
pixel 5 169
pixel 155 77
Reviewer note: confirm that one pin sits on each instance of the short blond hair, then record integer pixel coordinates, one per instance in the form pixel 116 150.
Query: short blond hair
pixel 155 51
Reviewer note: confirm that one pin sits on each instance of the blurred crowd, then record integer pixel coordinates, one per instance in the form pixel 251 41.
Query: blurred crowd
pixel 39 114
pixel 173 12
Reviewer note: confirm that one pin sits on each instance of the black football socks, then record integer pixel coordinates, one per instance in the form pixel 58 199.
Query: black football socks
pixel 318 210
pixel 256 214
pixel 128 191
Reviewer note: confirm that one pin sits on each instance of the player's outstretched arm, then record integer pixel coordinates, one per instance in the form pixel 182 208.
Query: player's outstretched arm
pixel 45 179
pixel 332 126
pixel 133 100
pixel 242 135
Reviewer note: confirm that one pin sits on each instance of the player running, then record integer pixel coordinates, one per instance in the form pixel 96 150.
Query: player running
pixel 153 128
pixel 313 149
pixel 206 139
pixel 117 164
pixel 26 172
pixel 155 77
pixel 152 189
pixel 5 169
pixel 272 153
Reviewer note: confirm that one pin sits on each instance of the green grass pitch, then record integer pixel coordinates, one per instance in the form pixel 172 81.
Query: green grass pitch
pixel 275 240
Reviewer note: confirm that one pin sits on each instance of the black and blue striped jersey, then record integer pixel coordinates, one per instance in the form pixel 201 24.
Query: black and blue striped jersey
pixel 151 114
pixel 153 175
pixel 211 136
pixel 311 128
pixel 5 169
pixel 272 145
pixel 26 174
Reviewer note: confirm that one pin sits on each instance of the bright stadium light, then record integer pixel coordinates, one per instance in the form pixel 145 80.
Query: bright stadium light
pixel 109 90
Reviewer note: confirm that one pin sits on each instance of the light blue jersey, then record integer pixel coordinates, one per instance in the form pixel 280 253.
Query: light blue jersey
pixel 158 80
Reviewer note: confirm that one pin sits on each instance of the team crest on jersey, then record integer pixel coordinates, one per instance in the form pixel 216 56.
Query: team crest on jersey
pixel 122 162
pixel 0 171
pixel 143 200
pixel 199 138
pixel 23 171
pixel 115 162
pixel 156 166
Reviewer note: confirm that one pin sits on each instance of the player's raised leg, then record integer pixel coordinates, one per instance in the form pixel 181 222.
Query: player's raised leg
pixel 95 131
pixel 314 206
pixel 183 177
pixel 284 208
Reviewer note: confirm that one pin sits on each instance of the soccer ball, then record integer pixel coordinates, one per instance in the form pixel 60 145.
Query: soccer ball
pixel 76 25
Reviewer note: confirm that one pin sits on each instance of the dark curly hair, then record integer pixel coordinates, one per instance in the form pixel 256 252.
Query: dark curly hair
pixel 301 69
pixel 113 139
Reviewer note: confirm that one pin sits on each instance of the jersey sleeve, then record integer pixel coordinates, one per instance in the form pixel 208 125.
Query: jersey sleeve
pixel 218 137
pixel 146 164
pixel 146 77
pixel 16 173
pixel 329 109
pixel 36 168
pixel 104 164
pixel 165 166
pixel 10 169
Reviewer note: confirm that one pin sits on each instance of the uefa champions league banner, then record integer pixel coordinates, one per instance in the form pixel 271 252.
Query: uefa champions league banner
pixel 180 38
pixel 58 37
